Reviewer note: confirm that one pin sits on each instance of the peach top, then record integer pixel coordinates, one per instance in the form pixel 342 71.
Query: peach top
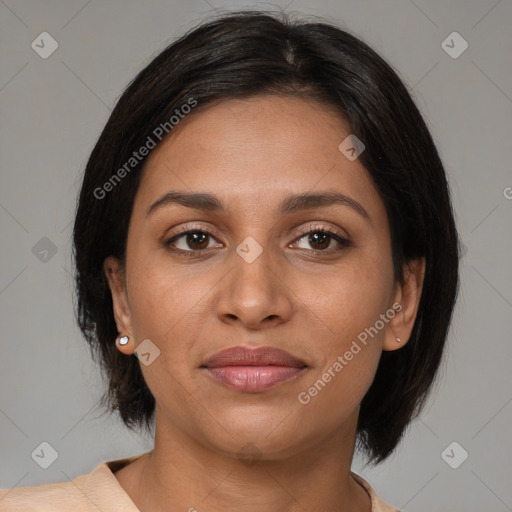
pixel 100 491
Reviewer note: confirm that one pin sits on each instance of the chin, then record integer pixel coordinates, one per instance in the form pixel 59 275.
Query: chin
pixel 264 438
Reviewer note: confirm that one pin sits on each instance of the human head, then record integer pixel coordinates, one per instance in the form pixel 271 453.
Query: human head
pixel 241 56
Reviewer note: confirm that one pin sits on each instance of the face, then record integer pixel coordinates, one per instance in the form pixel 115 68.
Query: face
pixel 251 273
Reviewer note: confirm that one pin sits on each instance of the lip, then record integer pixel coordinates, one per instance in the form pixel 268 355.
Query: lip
pixel 253 369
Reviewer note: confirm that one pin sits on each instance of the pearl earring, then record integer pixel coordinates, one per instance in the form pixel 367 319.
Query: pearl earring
pixel 398 340
pixel 123 340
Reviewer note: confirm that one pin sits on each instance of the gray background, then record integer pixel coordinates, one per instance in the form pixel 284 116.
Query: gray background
pixel 52 111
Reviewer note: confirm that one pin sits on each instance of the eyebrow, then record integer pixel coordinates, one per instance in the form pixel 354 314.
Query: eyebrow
pixel 291 204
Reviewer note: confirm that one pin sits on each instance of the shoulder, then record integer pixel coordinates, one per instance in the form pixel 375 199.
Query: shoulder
pixel 48 497
pixel 377 504
pixel 98 490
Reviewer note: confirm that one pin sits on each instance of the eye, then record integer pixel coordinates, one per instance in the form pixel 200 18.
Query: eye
pixel 197 241
pixel 320 238
pixel 194 242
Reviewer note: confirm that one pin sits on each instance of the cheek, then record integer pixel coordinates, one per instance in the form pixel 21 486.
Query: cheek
pixel 164 308
pixel 351 296
pixel 349 350
pixel 335 394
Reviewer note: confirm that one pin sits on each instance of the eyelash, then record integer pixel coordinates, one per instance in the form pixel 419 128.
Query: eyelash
pixel 199 252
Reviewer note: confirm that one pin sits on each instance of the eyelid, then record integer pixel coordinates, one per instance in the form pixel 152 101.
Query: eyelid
pixel 324 227
pixel 302 231
pixel 211 230
pixel 342 238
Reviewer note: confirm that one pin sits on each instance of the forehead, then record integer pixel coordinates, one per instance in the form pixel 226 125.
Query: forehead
pixel 255 151
pixel 273 123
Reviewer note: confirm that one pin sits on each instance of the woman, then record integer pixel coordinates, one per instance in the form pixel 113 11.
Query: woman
pixel 265 224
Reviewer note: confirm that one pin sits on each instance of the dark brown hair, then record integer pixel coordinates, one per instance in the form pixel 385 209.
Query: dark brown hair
pixel 249 53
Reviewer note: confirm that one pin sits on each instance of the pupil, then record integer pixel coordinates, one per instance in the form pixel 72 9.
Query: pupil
pixel 192 238
pixel 323 236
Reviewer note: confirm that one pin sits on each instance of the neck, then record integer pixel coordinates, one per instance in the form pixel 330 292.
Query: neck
pixel 182 474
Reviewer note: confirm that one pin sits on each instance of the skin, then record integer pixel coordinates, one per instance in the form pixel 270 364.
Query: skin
pixel 251 154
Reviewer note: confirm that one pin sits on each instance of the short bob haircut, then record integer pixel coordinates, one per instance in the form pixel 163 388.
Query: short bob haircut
pixel 243 54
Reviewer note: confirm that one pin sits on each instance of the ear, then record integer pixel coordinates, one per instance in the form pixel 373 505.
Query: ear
pixel 408 295
pixel 117 284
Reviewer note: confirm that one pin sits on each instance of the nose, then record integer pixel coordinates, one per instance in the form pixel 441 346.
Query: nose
pixel 255 293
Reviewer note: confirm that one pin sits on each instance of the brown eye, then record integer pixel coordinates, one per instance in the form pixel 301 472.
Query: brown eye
pixel 196 240
pixel 189 241
pixel 320 240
